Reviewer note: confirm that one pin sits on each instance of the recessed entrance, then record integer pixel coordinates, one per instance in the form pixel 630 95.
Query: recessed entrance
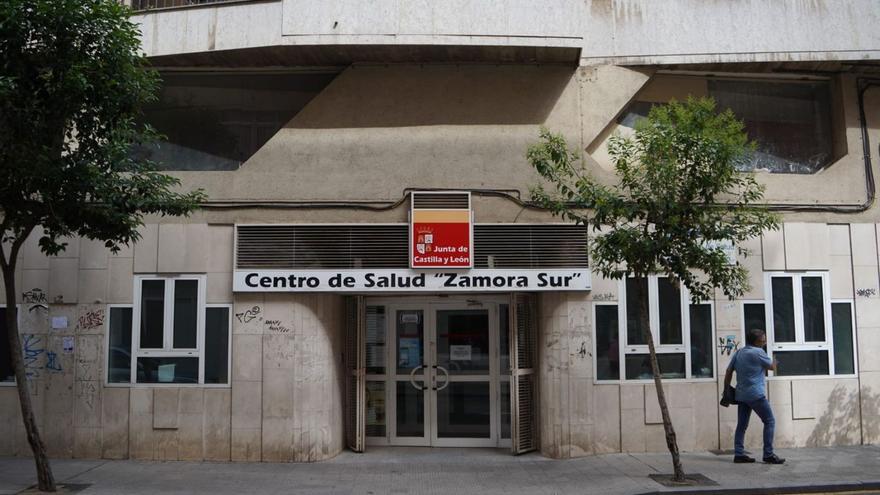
pixel 441 371
pixel 434 373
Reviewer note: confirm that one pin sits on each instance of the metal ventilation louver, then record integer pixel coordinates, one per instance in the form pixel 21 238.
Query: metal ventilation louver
pixel 289 247
pixel 441 201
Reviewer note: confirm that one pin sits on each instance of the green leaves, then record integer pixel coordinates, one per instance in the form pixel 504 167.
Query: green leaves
pixel 72 86
pixel 677 188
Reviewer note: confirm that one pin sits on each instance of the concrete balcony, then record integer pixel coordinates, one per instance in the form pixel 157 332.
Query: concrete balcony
pixel 589 32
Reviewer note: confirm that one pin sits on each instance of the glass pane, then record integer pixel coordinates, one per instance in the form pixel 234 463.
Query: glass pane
pixel 841 321
pixel 463 341
pixel 504 340
pixel 634 334
pixel 6 372
pixel 119 367
pixel 168 370
pixel 375 409
pixel 217 345
pixel 755 317
pixel 410 340
pixel 669 300
pixel 607 343
pixel 217 121
pixel 186 303
pixel 783 309
pixel 790 122
pixel 795 363
pixel 702 349
pixel 505 409
pixel 152 314
pixel 638 366
pixel 410 410
pixel 375 340
pixel 814 309
pixel 463 410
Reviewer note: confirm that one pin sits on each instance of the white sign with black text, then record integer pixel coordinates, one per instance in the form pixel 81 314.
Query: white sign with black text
pixel 405 280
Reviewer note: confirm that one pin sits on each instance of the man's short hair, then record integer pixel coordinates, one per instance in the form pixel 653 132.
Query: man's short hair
pixel 753 336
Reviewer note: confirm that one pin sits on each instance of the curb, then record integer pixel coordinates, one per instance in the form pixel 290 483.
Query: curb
pixel 824 488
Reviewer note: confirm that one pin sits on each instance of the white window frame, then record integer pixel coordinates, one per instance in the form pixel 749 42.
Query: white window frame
pixel 167 349
pixel 800 343
pixel 13 383
pixel 654 318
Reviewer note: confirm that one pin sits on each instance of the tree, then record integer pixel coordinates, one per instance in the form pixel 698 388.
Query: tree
pixel 72 87
pixel 678 199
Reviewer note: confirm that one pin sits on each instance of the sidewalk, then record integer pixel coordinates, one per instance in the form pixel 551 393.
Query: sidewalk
pixel 459 472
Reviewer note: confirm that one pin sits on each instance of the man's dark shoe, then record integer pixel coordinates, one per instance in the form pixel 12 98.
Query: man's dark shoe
pixel 774 459
pixel 743 459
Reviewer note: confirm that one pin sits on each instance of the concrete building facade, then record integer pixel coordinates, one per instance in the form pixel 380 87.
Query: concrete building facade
pixel 317 128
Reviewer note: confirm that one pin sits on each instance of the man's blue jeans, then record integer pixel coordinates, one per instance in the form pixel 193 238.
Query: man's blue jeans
pixel 762 409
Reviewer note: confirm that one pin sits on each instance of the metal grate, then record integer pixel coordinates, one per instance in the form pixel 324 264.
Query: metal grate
pixel 287 247
pixel 322 246
pixel 167 4
pixel 530 246
pixel 441 201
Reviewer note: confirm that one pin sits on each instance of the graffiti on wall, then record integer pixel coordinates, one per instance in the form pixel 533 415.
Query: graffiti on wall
pixel 276 326
pixel 33 350
pixel 728 344
pixel 90 320
pixel 249 315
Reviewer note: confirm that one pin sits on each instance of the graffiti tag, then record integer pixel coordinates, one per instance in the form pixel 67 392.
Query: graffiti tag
pixel 52 363
pixel 249 315
pixel 728 344
pixel 34 296
pixel 276 326
pixel 607 296
pixel 92 319
pixel 866 292
pixel 32 350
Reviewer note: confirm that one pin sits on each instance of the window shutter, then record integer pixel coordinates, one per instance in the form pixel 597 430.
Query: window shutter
pixel 355 386
pixel 523 347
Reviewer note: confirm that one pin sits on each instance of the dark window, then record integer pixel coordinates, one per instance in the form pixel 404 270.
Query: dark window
pixel 634 331
pixel 119 368
pixel 789 121
pixel 168 370
pixel 607 343
pixel 186 303
pixel 216 345
pixel 783 309
pixel 755 317
pixel 6 372
pixel 669 300
pixel 216 121
pixel 841 324
pixel 702 349
pixel 814 309
pixel 638 366
pixel 152 314
pixel 796 363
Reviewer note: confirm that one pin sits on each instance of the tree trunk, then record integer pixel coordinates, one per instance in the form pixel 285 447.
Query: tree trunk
pixel 45 479
pixel 671 442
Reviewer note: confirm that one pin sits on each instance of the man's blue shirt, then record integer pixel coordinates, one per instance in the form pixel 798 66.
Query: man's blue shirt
pixel 749 364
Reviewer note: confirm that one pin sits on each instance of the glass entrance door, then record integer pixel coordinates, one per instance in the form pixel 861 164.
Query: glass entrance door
pixel 442 382
pixel 462 398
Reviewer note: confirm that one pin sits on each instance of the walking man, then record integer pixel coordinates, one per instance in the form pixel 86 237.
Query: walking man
pixel 750 362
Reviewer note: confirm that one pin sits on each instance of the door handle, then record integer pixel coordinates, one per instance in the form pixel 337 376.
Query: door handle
pixel 446 383
pixel 412 378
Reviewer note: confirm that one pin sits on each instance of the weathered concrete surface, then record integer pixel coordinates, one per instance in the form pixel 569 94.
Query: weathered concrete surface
pixel 607 31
